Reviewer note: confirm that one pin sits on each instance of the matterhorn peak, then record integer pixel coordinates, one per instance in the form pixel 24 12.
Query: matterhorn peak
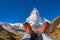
pixel 35 17
pixel 34 11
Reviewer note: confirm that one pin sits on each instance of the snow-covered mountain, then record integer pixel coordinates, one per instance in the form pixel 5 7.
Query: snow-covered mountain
pixel 35 20
pixel 34 17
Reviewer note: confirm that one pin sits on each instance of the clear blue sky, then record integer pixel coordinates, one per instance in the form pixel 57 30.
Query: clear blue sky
pixel 18 10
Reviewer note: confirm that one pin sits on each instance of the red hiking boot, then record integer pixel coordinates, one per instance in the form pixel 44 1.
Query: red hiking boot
pixel 27 27
pixel 43 27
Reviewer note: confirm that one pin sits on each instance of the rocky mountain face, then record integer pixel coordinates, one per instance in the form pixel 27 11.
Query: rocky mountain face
pixel 54 29
pixel 6 33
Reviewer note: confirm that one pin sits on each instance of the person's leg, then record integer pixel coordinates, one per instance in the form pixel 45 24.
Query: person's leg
pixel 26 37
pixel 34 36
pixel 29 32
pixel 40 37
pixel 30 36
pixel 42 30
pixel 46 37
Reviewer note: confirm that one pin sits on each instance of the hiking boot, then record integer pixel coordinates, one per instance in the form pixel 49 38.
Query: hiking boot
pixel 43 27
pixel 27 27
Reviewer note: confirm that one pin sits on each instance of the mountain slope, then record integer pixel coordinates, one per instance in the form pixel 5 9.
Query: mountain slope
pixel 54 29
pixel 8 33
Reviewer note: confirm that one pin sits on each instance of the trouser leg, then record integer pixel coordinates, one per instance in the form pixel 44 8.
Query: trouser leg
pixel 46 37
pixel 26 37
pixel 40 37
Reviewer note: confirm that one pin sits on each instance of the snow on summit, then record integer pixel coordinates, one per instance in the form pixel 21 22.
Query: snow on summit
pixel 35 17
